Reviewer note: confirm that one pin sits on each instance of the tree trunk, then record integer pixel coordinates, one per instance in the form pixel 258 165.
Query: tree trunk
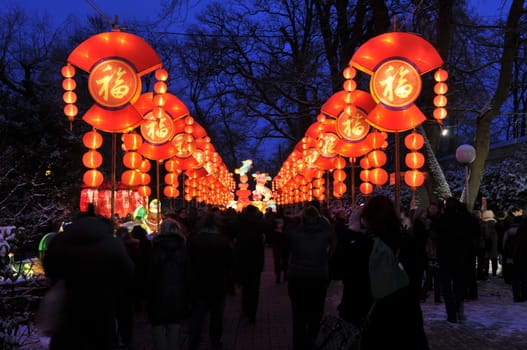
pixel 482 142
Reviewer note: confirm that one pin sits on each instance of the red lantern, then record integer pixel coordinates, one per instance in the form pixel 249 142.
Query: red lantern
pixel 376 139
pixel 440 113
pixel 92 159
pixel 377 158
pixel 339 187
pixel 171 178
pixel 69 84
pixel 414 160
pixel 92 139
pixel 440 88
pixel 441 75
pixel 414 178
pixel 68 71
pixel 161 74
pixel 131 178
pixel 144 191
pixel 340 163
pixel 69 97
pixel 132 160
pixel 145 178
pixel 145 166
pixel 93 178
pixel 365 163
pixel 171 191
pixel 366 188
pixel 440 101
pixel 132 141
pixel 414 141
pixel 365 175
pixel 71 110
pixel 378 176
pixel 339 175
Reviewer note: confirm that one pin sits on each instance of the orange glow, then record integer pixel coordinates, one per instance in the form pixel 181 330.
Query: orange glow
pixel 160 87
pixel 131 178
pixel 171 191
pixel 440 113
pixel 93 178
pixel 365 163
pixel 132 160
pixel 69 84
pixel 414 178
pixel 68 71
pixel 365 175
pixel 377 158
pixel 441 75
pixel 171 178
pixel 132 141
pixel 414 141
pixel 440 88
pixel 92 159
pixel 145 166
pixel 92 139
pixel 69 97
pixel 339 175
pixel 440 101
pixel 161 74
pixel 144 191
pixel 349 73
pixel 71 110
pixel 378 176
pixel 366 188
pixel 414 160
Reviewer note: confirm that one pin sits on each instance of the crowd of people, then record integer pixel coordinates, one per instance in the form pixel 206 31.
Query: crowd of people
pixel 184 273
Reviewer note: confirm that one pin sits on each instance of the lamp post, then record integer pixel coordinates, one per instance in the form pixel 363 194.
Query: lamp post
pixel 466 154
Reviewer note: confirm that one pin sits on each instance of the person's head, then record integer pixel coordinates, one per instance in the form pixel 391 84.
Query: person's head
pixel 208 223
pixel 122 233
pixel 138 232
pixel 517 211
pixel 488 215
pixel 169 227
pixel 310 215
pixel 379 215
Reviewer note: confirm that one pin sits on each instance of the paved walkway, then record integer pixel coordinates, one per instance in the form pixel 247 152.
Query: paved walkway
pixel 494 322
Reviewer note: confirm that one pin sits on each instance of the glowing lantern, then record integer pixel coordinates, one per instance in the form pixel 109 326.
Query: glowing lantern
pixel 366 188
pixel 70 111
pixel 378 176
pixel 68 71
pixel 441 75
pixel 339 188
pixel 161 74
pixel 440 101
pixel 92 159
pixel 132 141
pixel 69 97
pixel 376 139
pixel 377 158
pixel 440 88
pixel 144 191
pixel 365 175
pixel 440 113
pixel 365 163
pixel 92 140
pixel 132 160
pixel 171 191
pixel 339 175
pixel 145 178
pixel 414 160
pixel 414 178
pixel 131 178
pixel 414 141
pixel 69 84
pixel 145 166
pixel 93 178
pixel 171 178
pixel 340 163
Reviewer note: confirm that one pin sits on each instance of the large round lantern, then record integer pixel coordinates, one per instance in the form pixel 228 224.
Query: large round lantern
pixel 414 160
pixel 414 141
pixel 414 178
pixel 366 188
pixel 93 178
pixel 377 158
pixel 378 176
pixel 92 139
pixel 92 159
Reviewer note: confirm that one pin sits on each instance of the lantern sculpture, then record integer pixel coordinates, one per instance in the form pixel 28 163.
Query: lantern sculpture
pixel 115 61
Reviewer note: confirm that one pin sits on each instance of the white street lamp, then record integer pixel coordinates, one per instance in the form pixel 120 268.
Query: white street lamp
pixel 466 154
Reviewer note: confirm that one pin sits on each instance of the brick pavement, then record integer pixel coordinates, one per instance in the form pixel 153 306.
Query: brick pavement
pixel 494 322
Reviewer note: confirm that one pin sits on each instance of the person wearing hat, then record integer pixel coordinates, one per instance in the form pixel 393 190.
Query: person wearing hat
pixel 491 242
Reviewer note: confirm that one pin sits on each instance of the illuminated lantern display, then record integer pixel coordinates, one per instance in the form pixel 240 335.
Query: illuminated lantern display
pixel 366 188
pixel 440 89
pixel 114 61
pixel 396 62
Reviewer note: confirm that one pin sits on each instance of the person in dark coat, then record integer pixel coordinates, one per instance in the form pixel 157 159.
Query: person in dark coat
pixel 454 243
pixel 96 271
pixel 280 246
pixel 519 266
pixel 249 257
pixel 212 261
pixel 396 320
pixel 168 285
pixel 311 244
pixel 140 256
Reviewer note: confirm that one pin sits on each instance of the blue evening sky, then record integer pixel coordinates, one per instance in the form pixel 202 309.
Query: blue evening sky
pixel 145 10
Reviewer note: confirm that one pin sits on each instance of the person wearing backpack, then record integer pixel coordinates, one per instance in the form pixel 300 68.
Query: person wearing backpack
pixel 387 307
